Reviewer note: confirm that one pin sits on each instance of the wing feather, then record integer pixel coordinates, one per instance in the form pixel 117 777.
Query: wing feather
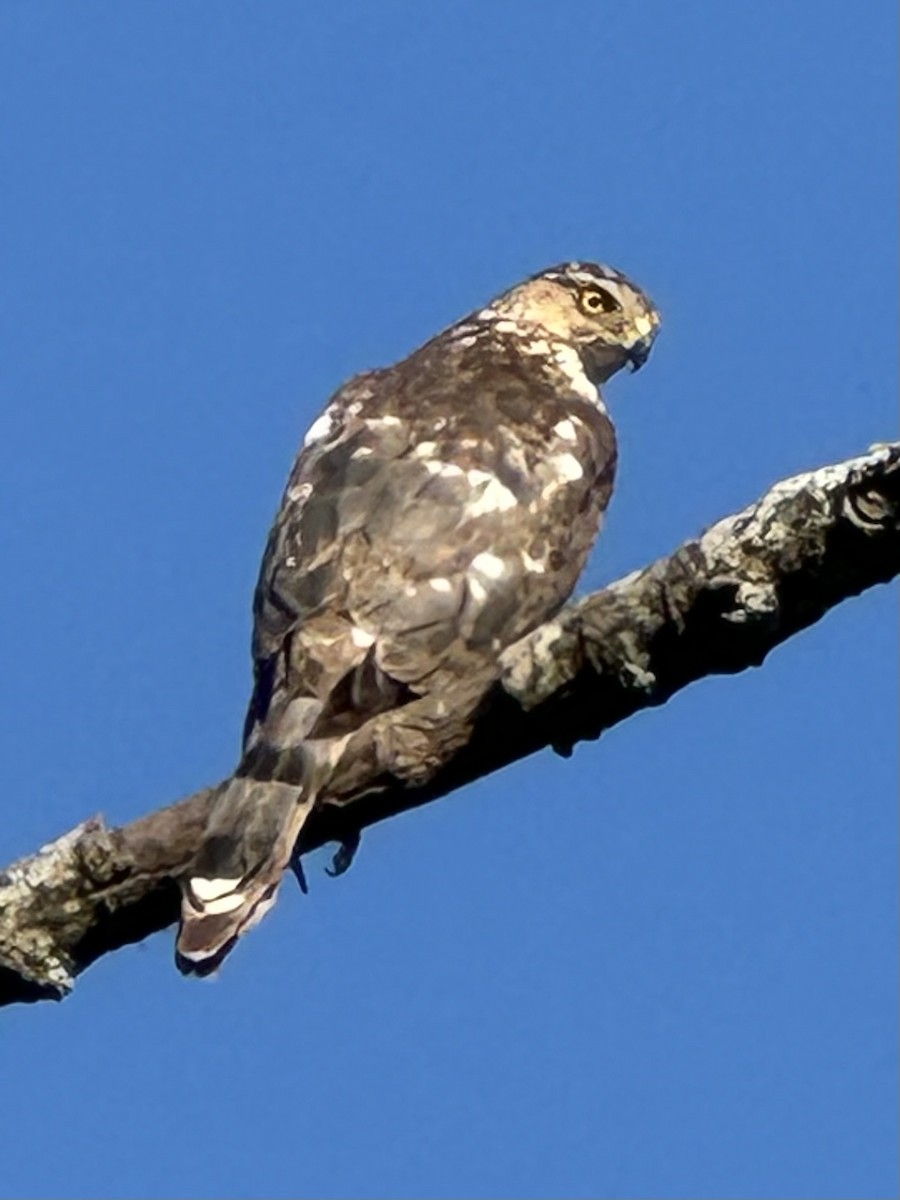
pixel 442 509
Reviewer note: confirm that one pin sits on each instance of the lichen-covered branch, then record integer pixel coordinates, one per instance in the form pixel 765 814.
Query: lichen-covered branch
pixel 719 604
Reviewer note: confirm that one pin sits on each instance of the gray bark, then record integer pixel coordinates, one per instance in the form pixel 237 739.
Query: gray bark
pixel 718 605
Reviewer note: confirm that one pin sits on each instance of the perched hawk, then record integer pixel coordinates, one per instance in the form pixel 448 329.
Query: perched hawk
pixel 438 510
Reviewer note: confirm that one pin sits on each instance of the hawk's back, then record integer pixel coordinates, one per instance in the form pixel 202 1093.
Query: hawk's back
pixel 440 510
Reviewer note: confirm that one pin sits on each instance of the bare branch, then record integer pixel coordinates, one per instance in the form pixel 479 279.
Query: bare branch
pixel 718 605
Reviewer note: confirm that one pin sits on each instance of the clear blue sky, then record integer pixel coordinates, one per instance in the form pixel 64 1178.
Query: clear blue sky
pixel 665 968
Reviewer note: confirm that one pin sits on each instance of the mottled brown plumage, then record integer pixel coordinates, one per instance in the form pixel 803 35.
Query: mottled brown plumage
pixel 439 510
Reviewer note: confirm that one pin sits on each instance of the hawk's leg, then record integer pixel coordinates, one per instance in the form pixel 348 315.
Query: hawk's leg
pixel 344 856
pixel 296 866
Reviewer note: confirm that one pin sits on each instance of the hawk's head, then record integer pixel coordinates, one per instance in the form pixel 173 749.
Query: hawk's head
pixel 605 317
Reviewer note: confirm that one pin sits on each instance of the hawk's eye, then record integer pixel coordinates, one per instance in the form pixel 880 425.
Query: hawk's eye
pixel 597 299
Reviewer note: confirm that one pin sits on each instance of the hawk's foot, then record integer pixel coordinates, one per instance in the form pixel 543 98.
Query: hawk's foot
pixel 343 856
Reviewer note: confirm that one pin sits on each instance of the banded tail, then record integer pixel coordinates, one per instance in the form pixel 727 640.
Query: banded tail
pixel 234 880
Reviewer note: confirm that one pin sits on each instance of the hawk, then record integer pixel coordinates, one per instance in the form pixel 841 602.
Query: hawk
pixel 438 510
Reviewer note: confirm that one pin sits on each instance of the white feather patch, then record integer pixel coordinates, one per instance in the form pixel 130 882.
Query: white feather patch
pixel 568 360
pixel 489 565
pixel 493 496
pixel 643 325
pixel 320 428
pixel 298 494
pixel 212 889
pixel 448 470
pixel 199 955
pixel 477 590
pixel 538 346
pixel 567 467
pixel 225 904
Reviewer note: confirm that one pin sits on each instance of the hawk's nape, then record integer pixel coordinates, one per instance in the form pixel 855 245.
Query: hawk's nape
pixel 438 511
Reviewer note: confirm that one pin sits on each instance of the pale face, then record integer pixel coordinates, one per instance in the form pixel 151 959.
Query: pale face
pixel 607 319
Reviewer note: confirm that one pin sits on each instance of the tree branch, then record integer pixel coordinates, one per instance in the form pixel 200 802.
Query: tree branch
pixel 718 605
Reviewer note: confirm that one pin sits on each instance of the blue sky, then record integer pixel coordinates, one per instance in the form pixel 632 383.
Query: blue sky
pixel 665 968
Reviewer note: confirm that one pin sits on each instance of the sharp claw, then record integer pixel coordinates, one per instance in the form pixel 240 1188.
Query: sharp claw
pixel 343 856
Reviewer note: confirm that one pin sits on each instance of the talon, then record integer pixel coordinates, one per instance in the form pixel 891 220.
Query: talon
pixel 297 867
pixel 343 856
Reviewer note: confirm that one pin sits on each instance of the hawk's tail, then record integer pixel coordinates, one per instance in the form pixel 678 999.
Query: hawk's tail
pixel 234 879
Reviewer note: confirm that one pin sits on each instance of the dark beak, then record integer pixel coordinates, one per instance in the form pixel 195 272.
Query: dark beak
pixel 639 353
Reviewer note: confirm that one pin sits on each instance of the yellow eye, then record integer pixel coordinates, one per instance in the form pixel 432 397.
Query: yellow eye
pixel 596 299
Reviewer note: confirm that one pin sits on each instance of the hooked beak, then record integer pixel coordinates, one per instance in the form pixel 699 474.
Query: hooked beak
pixel 640 352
